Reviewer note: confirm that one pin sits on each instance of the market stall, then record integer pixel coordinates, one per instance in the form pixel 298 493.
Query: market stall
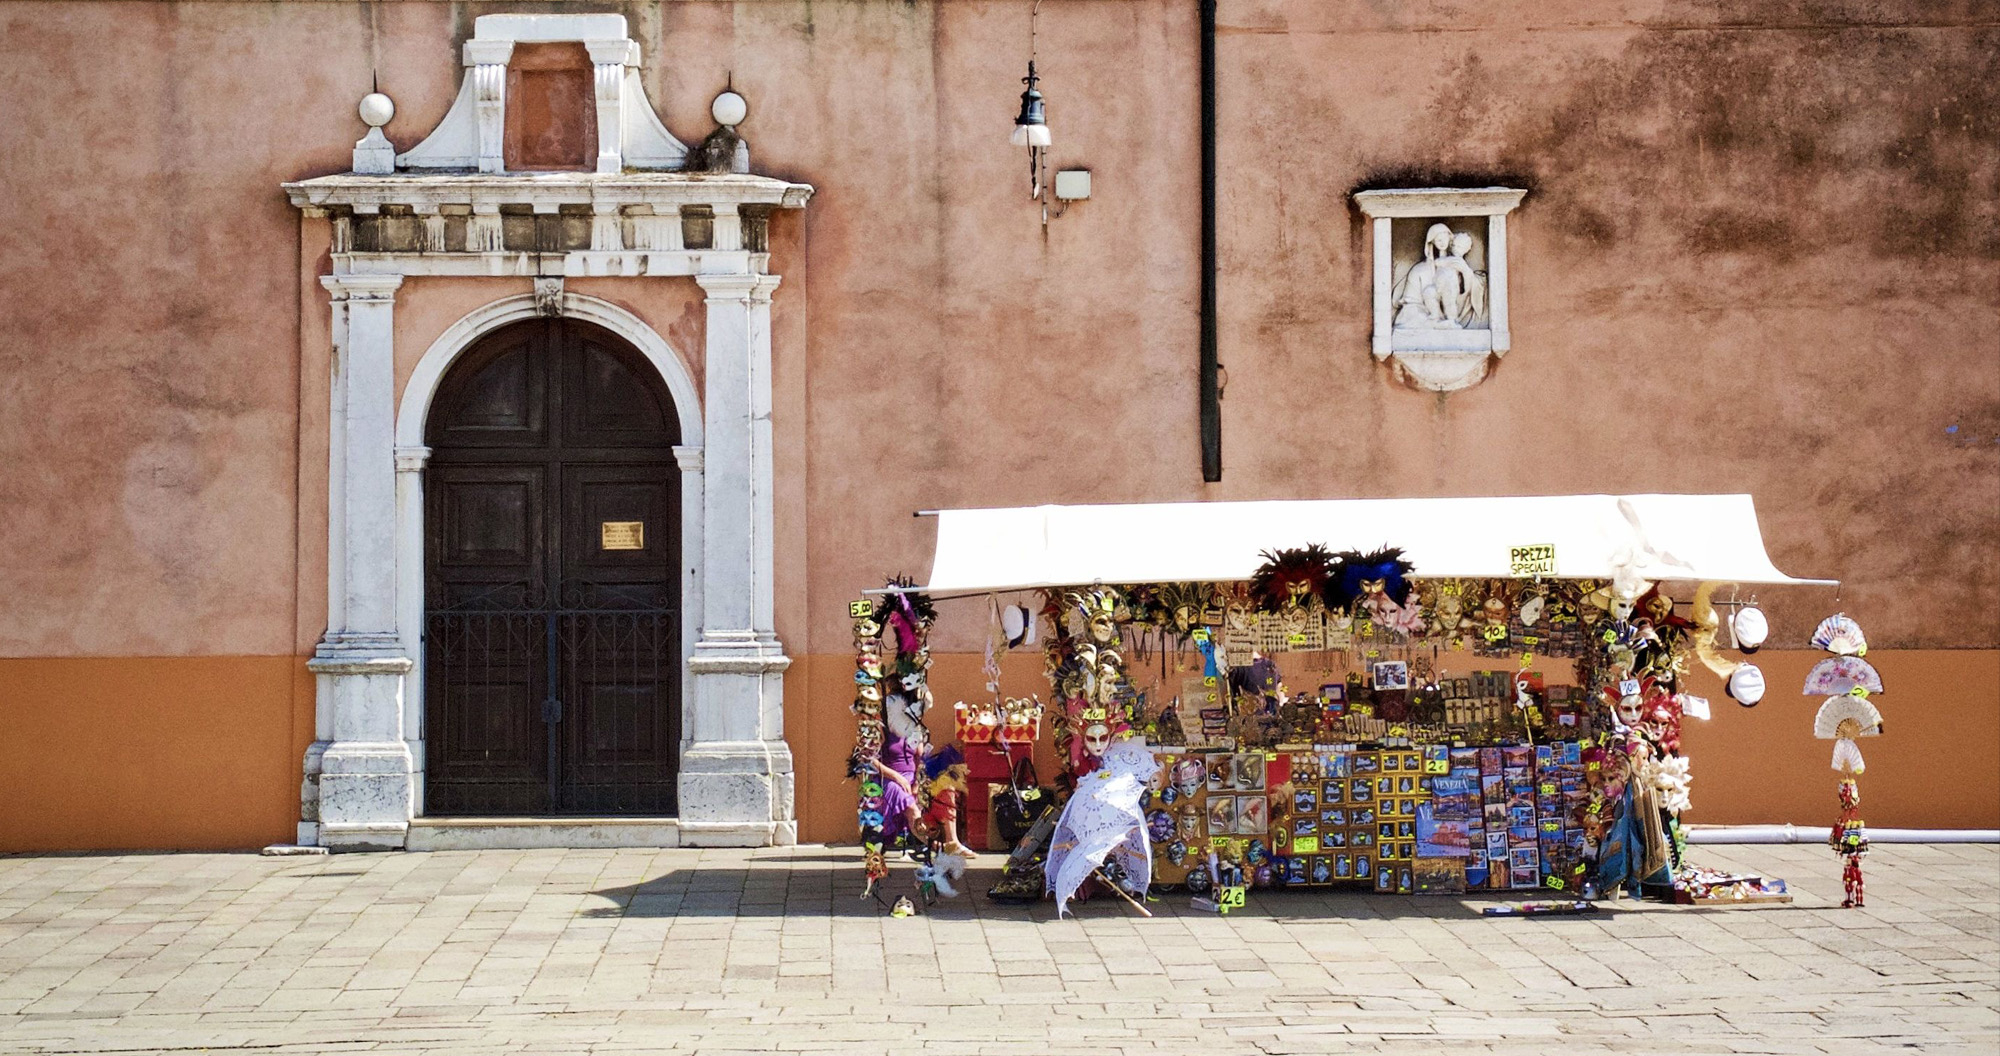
pixel 1402 695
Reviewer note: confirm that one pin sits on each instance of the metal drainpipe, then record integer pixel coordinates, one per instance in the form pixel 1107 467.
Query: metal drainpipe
pixel 1211 393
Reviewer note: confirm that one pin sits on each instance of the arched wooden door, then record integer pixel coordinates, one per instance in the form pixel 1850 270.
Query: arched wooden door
pixel 551 588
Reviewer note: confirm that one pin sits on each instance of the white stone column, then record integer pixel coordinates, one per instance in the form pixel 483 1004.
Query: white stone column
pixel 736 774
pixel 1384 279
pixel 1496 283
pixel 608 59
pixel 487 60
pixel 410 463
pixel 363 799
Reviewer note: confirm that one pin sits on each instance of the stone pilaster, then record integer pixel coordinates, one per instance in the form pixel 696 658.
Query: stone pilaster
pixel 736 774
pixel 361 796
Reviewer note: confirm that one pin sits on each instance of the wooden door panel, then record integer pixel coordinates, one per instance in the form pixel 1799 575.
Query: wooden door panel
pixel 496 396
pixel 608 402
pixel 603 507
pixel 541 436
pixel 621 740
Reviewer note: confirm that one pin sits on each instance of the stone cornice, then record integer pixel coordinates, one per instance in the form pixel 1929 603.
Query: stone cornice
pixel 1439 201
pixel 544 192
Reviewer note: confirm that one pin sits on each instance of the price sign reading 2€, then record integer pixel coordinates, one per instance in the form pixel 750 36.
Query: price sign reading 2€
pixel 1229 898
pixel 1536 560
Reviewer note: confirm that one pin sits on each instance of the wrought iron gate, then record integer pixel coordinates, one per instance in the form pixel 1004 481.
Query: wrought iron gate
pixel 574 708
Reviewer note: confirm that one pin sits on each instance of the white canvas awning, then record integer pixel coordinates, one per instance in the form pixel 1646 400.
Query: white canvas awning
pixel 1679 537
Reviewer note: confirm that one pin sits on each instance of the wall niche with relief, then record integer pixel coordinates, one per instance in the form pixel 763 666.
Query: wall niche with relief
pixel 1440 281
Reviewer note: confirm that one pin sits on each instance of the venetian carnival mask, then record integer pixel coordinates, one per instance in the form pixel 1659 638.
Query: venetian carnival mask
pixel 1531 610
pixel 1659 607
pixel 1189 774
pixel 1373 588
pixel 1629 707
pixel 1096 737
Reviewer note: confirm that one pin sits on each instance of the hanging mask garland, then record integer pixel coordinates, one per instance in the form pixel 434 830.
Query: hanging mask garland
pixel 868 738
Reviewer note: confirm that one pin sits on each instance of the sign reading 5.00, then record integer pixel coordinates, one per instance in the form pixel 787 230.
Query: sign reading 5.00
pixel 1537 560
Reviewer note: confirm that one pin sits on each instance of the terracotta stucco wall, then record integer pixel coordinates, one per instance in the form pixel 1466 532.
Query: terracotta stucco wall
pixel 1758 254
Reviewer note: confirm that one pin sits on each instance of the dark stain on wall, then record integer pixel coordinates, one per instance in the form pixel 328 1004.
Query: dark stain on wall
pixel 1767 144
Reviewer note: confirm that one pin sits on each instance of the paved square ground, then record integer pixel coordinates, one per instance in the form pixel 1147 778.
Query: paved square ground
pixel 770 951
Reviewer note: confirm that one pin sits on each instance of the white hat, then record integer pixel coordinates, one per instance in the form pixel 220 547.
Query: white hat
pixel 1018 624
pixel 1746 685
pixel 1749 628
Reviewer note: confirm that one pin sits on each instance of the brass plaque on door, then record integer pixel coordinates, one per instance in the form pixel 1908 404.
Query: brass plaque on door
pixel 623 535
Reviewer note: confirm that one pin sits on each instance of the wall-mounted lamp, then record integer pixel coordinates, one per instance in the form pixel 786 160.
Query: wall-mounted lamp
pixel 1031 126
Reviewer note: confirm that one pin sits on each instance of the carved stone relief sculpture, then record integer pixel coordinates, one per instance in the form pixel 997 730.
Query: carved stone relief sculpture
pixel 1440 283
pixel 1441 290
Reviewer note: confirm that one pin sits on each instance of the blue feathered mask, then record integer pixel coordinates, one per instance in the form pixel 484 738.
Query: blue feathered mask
pixel 1357 575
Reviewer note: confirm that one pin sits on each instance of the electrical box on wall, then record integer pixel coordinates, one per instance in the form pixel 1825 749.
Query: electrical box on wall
pixel 1073 185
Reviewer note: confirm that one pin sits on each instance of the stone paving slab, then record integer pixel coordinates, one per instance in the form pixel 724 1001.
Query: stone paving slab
pixel 769 951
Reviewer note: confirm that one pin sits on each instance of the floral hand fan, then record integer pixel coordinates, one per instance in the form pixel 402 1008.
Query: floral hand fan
pixel 1841 636
pixel 1839 674
pixel 1841 719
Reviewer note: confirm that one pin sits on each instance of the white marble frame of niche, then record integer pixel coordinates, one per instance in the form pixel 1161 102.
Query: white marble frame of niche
pixel 1445 358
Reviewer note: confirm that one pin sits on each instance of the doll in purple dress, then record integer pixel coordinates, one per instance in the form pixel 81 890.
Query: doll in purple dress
pixel 902 753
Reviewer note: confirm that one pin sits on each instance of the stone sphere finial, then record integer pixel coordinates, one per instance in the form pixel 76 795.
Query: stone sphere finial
pixel 729 109
pixel 376 109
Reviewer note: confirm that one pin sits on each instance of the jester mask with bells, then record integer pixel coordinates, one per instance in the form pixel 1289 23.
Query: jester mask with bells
pixel 1098 610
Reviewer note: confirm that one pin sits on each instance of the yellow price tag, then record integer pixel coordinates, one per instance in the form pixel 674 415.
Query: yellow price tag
pixel 1305 845
pixel 1553 882
pixel 860 609
pixel 1230 897
pixel 1527 659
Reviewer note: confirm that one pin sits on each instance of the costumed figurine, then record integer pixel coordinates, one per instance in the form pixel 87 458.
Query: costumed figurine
pixel 1103 824
pixel 945 772
pixel 1850 841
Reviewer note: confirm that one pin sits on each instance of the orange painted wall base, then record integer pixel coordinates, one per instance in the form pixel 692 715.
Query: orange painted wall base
pixel 1935 766
pixel 204 753
pixel 151 753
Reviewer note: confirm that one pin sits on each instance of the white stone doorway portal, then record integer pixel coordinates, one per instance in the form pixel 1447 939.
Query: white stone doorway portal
pixel 422 217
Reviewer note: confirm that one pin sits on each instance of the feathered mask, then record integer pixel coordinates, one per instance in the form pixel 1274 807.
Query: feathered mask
pixel 1287 578
pixel 1356 575
pixel 909 615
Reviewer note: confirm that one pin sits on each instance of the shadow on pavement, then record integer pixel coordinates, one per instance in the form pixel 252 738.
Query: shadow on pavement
pixel 830 885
